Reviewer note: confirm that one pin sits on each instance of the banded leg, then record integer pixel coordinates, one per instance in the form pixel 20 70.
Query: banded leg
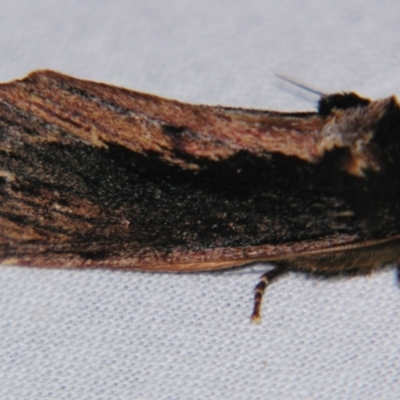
pixel 259 290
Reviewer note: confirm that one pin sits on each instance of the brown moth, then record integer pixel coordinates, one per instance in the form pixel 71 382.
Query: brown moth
pixel 93 175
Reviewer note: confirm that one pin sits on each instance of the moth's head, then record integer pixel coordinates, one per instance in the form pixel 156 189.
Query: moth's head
pixel 386 138
pixel 340 101
pixel 370 130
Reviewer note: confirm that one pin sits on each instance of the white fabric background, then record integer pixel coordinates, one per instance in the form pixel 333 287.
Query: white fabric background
pixel 124 335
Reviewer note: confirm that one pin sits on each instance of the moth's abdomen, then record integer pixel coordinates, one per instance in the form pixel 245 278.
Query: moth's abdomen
pixel 363 258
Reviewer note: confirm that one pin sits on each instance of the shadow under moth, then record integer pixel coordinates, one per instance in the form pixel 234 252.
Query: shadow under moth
pixel 93 175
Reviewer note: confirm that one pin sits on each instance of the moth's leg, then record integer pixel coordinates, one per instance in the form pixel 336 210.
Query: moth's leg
pixel 259 290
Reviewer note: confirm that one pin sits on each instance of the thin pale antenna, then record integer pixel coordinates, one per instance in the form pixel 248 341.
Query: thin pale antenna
pixel 300 85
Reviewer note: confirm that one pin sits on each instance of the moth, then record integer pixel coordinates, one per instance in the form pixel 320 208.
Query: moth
pixel 93 175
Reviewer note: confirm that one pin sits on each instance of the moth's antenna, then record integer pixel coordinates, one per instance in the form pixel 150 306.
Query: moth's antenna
pixel 300 85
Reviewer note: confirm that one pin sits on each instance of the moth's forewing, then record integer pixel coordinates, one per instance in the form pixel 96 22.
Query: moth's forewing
pixel 94 175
